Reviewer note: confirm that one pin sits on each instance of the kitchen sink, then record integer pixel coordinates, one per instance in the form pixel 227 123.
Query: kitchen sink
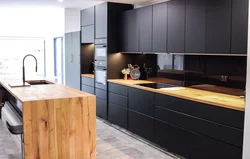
pixel 40 82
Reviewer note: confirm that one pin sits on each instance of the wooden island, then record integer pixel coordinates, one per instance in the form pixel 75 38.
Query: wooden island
pixel 58 122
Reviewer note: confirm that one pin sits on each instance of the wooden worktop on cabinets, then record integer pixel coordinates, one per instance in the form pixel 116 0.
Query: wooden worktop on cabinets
pixel 202 96
pixel 88 75
pixel 58 121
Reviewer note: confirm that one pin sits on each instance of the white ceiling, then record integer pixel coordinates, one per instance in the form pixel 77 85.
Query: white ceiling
pixel 66 3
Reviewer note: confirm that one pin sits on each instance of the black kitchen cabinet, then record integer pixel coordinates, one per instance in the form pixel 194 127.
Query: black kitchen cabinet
pixel 141 101
pixel 239 26
pixel 218 26
pixel 88 81
pixel 159 28
pixel 130 32
pixel 176 26
pixel 118 115
pixel 145 20
pixel 206 148
pixel 87 34
pixel 195 26
pixel 88 89
pixel 101 20
pixel 173 138
pixel 141 125
pixel 87 16
pixel 118 89
pixel 101 108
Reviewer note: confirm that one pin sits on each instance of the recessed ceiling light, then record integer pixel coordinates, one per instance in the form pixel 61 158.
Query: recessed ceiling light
pixel 60 0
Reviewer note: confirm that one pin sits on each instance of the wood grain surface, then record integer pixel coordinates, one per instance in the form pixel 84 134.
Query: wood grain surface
pixel 202 96
pixel 88 75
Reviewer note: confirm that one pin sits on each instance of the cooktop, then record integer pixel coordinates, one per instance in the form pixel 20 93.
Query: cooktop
pixel 168 84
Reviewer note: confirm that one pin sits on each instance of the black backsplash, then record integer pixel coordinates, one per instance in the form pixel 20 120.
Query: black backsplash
pixel 209 69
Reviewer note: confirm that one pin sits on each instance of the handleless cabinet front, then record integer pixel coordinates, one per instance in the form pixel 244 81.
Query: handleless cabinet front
pixel 87 16
pixel 87 34
pixel 101 20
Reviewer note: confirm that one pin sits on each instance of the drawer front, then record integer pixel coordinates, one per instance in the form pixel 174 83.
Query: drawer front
pixel 217 131
pixel 118 99
pixel 88 89
pixel 216 114
pixel 141 101
pixel 101 108
pixel 88 81
pixel 141 125
pixel 118 89
pixel 118 115
pixel 101 94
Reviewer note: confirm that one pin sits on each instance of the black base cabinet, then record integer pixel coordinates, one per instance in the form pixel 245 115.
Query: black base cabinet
pixel 118 115
pixel 101 108
pixel 141 125
pixel 174 139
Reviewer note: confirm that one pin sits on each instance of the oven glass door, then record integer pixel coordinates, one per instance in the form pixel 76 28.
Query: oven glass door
pixel 101 78
pixel 100 52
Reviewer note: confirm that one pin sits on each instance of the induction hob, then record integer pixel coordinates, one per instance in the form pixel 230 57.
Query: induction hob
pixel 168 84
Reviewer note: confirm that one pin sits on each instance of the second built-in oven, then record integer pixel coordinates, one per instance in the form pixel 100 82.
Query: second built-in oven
pixel 101 75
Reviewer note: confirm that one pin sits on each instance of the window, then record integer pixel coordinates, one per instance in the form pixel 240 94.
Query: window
pixel 12 51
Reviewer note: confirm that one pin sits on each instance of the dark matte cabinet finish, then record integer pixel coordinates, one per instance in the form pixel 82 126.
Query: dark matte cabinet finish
pixel 118 115
pixel 88 81
pixel 174 139
pixel 218 26
pixel 159 28
pixel 118 89
pixel 101 108
pixel 207 148
pixel 176 26
pixel 118 99
pixel 141 101
pixel 87 16
pixel 145 19
pixel 88 89
pixel 101 20
pixel 141 125
pixel 239 26
pixel 87 34
pixel 195 26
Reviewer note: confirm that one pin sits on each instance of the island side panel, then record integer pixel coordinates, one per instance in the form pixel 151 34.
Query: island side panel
pixel 60 128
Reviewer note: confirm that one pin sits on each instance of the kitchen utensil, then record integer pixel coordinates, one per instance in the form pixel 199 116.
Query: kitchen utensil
pixel 135 72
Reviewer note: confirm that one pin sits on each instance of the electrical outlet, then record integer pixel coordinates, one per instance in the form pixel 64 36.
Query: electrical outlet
pixel 224 78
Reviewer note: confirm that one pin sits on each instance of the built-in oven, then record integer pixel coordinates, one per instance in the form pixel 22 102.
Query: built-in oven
pixel 100 49
pixel 101 75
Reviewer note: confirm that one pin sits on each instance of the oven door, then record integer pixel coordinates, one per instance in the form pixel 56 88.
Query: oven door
pixel 101 52
pixel 101 78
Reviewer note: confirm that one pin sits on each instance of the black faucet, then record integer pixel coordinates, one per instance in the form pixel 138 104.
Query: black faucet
pixel 24 66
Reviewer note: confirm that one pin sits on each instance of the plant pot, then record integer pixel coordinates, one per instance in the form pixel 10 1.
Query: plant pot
pixel 125 77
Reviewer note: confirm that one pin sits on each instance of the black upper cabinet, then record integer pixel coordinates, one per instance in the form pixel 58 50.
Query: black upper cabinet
pixel 218 26
pixel 145 19
pixel 101 20
pixel 176 26
pixel 160 28
pixel 195 26
pixel 87 34
pixel 130 32
pixel 239 26
pixel 87 16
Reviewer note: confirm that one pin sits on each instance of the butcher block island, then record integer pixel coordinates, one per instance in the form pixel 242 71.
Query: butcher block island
pixel 58 122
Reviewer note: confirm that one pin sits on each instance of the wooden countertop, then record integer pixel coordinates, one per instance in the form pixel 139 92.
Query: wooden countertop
pixel 207 97
pixel 88 75
pixel 41 92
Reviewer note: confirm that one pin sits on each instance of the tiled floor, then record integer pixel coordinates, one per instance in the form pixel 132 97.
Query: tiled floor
pixel 111 144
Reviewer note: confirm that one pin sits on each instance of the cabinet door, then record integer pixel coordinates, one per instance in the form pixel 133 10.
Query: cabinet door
pixel 75 47
pixel 133 32
pixel 174 139
pixel 87 34
pixel 176 26
pixel 101 108
pixel 68 59
pixel 101 20
pixel 239 26
pixel 218 26
pixel 88 89
pixel 145 18
pixel 160 28
pixel 117 115
pixel 208 148
pixel 195 26
pixel 141 125
pixel 141 101
pixel 87 16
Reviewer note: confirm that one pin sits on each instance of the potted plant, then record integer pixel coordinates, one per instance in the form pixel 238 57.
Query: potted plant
pixel 125 71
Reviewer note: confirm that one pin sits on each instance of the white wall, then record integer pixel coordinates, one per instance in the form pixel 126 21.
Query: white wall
pixel 246 143
pixel 72 20
pixel 34 22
